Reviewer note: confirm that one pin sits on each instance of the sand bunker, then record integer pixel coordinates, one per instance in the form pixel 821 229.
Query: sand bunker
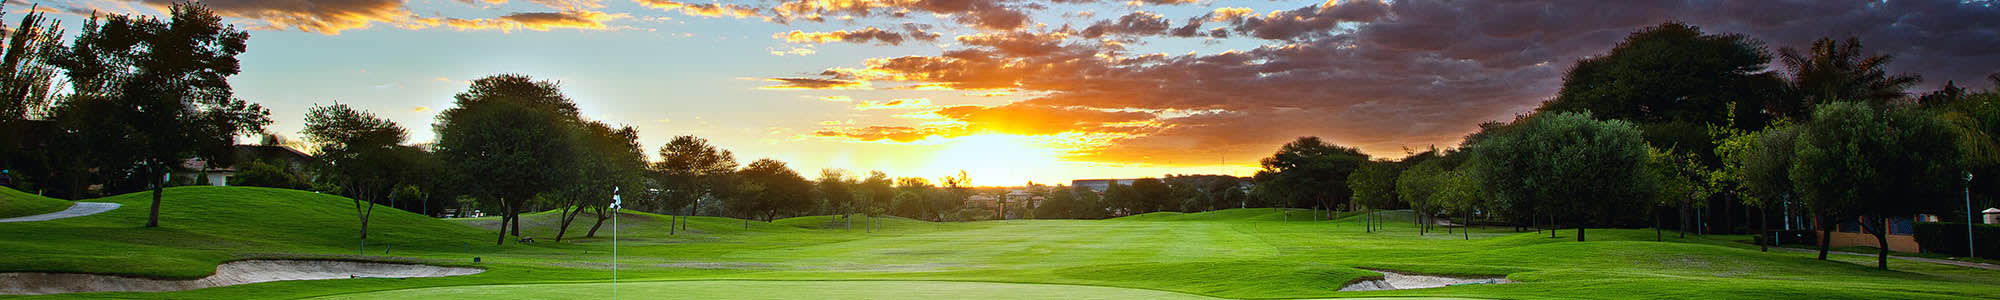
pixel 230 273
pixel 1403 281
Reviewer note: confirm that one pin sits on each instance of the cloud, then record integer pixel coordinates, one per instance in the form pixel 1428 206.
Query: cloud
pixel 794 83
pixel 537 21
pixel 420 108
pixel 703 10
pixel 896 104
pixel 1377 75
pixel 324 17
pixel 1137 23
pixel 861 36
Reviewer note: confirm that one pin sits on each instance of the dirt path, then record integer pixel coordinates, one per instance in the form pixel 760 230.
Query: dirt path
pixel 1916 259
pixel 78 210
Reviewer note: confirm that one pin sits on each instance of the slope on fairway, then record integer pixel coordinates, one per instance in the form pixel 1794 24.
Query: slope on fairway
pixel 15 203
pixel 201 227
pixel 787 289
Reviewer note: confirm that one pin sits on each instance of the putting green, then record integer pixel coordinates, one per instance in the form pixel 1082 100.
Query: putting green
pixel 782 289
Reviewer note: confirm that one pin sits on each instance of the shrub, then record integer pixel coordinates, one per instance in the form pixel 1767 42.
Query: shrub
pixel 267 175
pixel 1949 238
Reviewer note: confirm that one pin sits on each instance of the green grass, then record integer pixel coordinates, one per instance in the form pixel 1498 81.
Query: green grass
pixel 1236 254
pixel 15 203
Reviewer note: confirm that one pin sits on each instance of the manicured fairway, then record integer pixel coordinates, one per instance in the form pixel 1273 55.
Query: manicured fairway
pixel 15 203
pixel 737 289
pixel 1235 254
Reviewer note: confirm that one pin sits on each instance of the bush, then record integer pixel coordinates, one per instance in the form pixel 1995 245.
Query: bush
pixel 1949 238
pixel 267 175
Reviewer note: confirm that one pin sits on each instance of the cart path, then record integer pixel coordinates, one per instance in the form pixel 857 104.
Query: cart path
pixel 78 210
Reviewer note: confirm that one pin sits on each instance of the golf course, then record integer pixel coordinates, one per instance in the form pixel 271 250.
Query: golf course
pixel 1255 253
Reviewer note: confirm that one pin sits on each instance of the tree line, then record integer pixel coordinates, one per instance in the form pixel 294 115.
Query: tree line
pixel 1673 120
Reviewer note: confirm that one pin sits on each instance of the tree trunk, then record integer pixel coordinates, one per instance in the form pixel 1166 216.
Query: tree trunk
pixel 1881 230
pixel 159 186
pixel 1553 226
pixel 504 218
pixel 568 215
pixel 1764 231
pixel 516 211
pixel 1656 226
pixel 363 215
pixel 673 224
pixel 601 216
pixel 1825 235
pixel 1579 230
pixel 1465 226
pixel 1684 220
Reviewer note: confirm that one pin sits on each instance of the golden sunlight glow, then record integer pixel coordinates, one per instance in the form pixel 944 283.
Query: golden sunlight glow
pixel 996 159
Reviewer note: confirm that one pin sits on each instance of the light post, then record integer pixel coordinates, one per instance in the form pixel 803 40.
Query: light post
pixel 1970 251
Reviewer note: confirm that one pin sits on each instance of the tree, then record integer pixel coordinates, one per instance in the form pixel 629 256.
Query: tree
pixel 1417 186
pixel 260 174
pixel 1671 72
pixel 1460 192
pixel 163 88
pixel 877 194
pixel 508 140
pixel 1309 172
pixel 1151 195
pixel 1374 186
pixel 1122 199
pixel 358 149
pixel 1568 164
pixel 690 169
pixel 912 198
pixel 1682 182
pixel 773 189
pixel 837 192
pixel 609 161
pixel 1759 165
pixel 1832 71
pixel 1060 203
pixel 1855 161
pixel 28 83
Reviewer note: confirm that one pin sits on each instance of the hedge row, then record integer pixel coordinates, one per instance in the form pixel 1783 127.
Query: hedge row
pixel 1949 238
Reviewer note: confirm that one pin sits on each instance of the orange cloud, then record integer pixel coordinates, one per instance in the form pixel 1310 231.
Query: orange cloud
pixel 913 103
pixel 860 36
pixel 703 10
pixel 323 17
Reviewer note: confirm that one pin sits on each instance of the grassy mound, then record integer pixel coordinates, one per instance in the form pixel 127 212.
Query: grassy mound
pixel 15 203
pixel 204 226
pixel 1234 214
pixel 1233 279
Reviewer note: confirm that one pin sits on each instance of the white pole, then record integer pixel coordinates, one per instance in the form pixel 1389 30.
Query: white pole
pixel 615 203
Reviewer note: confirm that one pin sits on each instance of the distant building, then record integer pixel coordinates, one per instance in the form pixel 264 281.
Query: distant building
pixel 1100 185
pixel 218 175
pixel 1902 234
pixel 1992 215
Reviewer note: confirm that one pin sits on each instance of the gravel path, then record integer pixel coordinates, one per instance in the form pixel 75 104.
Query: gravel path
pixel 78 210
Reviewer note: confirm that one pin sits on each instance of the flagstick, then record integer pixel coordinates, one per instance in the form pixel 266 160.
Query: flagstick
pixel 614 242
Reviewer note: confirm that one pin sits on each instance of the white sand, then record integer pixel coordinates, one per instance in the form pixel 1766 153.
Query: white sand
pixel 230 273
pixel 1403 281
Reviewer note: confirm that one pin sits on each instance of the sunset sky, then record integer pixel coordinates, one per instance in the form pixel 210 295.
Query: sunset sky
pixel 1016 90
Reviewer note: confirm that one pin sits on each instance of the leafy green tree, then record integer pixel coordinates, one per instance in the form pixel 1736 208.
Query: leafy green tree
pixel 1151 195
pixel 28 82
pixel 690 169
pixel 913 198
pixel 260 174
pixel 1832 71
pixel 1682 182
pixel 1460 193
pixel 773 189
pixel 1417 186
pixel 1568 164
pixel 1061 201
pixel 359 150
pixel 1374 186
pixel 1671 72
pixel 1758 164
pixel 1855 161
pixel 508 139
pixel 609 161
pixel 837 193
pixel 1309 172
pixel 1122 199
pixel 162 89
pixel 876 194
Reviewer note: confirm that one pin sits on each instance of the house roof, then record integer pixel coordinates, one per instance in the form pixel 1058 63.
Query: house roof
pixel 1991 211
